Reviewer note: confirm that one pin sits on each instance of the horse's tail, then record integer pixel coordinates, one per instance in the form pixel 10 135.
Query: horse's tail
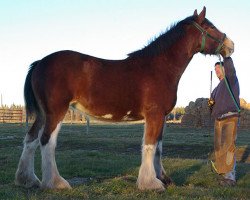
pixel 29 97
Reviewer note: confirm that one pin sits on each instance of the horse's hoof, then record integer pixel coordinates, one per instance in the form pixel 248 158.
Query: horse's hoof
pixel 27 182
pixel 57 183
pixel 167 181
pixel 153 184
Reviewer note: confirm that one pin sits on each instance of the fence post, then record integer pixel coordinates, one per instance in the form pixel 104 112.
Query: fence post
pixel 87 122
pixel 71 116
pixel 21 117
pixel 1 100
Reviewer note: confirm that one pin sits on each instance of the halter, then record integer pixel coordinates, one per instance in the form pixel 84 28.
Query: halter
pixel 205 34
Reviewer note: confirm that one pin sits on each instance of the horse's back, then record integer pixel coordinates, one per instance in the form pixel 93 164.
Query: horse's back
pixel 101 87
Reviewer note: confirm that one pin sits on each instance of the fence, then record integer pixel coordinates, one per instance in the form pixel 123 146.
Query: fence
pixel 8 115
pixel 18 115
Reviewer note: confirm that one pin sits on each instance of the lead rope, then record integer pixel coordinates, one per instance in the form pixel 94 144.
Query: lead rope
pixel 228 87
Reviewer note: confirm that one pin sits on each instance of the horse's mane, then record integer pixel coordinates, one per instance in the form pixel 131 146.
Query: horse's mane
pixel 164 41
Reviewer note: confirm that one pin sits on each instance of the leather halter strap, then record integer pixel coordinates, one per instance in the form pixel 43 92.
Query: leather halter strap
pixel 205 34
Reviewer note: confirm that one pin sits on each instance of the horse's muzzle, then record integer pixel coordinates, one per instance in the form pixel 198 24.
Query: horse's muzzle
pixel 228 48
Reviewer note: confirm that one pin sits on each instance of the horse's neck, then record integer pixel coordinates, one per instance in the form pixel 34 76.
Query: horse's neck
pixel 179 57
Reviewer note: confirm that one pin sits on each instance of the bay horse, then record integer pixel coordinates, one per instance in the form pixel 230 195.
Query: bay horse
pixel 142 86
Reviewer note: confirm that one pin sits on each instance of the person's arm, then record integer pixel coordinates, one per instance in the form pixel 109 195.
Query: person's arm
pixel 229 67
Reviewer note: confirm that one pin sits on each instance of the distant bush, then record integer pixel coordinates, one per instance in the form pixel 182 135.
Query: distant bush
pixel 176 113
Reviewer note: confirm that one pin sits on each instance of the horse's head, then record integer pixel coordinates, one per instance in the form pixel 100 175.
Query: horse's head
pixel 211 40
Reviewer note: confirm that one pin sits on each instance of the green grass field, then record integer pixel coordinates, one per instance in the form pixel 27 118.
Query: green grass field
pixel 104 164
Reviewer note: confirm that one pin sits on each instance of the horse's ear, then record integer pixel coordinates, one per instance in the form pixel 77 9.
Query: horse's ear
pixel 195 12
pixel 202 15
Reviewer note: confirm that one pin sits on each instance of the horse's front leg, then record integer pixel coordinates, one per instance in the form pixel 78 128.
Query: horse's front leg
pixel 151 170
pixel 159 169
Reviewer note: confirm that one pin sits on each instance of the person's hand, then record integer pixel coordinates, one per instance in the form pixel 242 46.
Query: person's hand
pixel 210 103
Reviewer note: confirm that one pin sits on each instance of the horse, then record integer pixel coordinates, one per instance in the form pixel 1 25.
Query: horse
pixel 141 86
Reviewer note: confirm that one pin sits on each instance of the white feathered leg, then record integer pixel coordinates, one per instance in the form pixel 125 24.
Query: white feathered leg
pixel 157 161
pixel 51 178
pixel 159 169
pixel 147 179
pixel 25 175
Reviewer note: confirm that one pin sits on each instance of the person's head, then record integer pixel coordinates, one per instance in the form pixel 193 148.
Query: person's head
pixel 217 68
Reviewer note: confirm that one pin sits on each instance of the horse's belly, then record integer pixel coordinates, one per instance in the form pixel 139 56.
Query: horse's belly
pixel 107 116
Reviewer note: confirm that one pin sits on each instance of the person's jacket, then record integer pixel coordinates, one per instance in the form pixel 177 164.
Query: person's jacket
pixel 223 100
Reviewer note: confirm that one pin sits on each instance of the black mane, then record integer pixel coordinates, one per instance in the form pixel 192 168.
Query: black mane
pixel 164 41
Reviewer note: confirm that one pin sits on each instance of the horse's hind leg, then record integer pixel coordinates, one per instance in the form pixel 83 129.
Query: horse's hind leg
pixel 51 178
pixel 25 175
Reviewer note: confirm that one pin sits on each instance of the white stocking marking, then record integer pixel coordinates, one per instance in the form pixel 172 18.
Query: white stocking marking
pixel 25 174
pixel 148 154
pixel 49 167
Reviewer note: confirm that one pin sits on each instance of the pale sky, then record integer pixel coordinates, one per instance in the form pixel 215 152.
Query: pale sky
pixel 110 29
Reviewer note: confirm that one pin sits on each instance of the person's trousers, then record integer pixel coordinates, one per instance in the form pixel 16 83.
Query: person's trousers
pixel 224 144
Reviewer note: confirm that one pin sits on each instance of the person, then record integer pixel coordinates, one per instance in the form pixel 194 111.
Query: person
pixel 225 110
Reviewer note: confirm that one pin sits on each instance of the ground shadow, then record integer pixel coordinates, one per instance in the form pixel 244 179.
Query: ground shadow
pixel 245 155
pixel 181 176
pixel 241 170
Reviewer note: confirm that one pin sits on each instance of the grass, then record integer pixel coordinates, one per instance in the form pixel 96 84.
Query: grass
pixel 104 164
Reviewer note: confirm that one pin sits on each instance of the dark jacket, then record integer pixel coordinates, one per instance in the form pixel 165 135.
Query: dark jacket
pixel 223 100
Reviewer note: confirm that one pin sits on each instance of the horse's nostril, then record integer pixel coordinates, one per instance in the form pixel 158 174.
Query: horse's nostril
pixel 231 50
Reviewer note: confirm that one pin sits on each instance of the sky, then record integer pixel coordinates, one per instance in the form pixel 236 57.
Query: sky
pixel 110 29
